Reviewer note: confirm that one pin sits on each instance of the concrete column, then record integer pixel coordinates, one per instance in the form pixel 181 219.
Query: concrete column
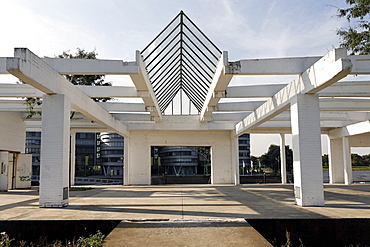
pixel 126 156
pixel 235 158
pixel 283 159
pixel 55 138
pixel 308 176
pixel 222 156
pixel 72 159
pixel 347 161
pixel 336 161
pixel 138 163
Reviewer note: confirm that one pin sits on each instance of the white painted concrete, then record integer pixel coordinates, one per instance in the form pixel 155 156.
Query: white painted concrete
pixel 307 164
pixel 347 161
pixel 283 164
pixel 336 161
pixel 12 132
pixel 54 166
pixel 137 164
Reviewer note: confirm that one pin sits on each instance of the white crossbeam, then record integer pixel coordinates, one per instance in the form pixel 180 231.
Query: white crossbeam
pixel 361 64
pixel 239 106
pixel 32 70
pixel 272 66
pixel 350 130
pixel 328 70
pixel 122 107
pixel 217 88
pixel 145 89
pixel 253 91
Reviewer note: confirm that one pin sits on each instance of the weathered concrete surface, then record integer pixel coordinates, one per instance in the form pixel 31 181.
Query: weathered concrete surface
pixel 250 201
pixel 185 233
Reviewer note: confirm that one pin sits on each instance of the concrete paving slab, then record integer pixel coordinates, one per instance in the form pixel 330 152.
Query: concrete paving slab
pixel 255 201
pixel 185 233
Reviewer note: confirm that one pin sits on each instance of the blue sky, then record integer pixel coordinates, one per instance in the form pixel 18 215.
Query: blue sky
pixel 116 28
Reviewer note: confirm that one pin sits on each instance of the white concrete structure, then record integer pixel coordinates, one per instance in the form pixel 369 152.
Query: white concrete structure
pixel 320 101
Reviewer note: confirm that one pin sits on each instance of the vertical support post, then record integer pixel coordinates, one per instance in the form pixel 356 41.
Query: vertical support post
pixel 308 176
pixel 283 171
pixel 235 158
pixel 126 157
pixel 347 161
pixel 72 167
pixel 336 161
pixel 55 151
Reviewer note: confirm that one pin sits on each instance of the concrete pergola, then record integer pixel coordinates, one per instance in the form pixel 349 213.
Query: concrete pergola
pixel 320 101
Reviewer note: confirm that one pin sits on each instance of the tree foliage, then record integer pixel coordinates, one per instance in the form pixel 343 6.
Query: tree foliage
pixel 272 159
pixel 90 80
pixel 356 37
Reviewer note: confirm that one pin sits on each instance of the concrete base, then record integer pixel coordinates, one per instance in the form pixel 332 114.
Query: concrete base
pixel 185 233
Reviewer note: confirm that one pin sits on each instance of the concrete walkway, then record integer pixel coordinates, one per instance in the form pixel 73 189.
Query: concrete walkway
pixel 201 214
pixel 188 202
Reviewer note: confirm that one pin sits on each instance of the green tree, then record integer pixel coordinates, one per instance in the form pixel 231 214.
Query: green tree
pixel 325 160
pixel 356 37
pixel 272 159
pixel 90 80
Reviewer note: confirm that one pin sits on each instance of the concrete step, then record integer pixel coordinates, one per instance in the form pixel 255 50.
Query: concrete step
pixel 152 233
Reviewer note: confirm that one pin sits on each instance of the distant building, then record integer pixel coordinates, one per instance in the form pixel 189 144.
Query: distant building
pixel 244 150
pixel 111 154
pixel 87 154
pixel 178 160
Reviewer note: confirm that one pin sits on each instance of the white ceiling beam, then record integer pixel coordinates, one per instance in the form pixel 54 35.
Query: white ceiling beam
pixel 361 64
pixel 238 106
pixel 328 70
pixel 272 66
pixel 339 104
pixel 253 91
pixel 145 89
pixel 132 116
pixel 109 91
pixel 350 130
pixel 123 107
pixel 67 66
pixel 217 88
pixel 189 122
pixel 32 70
pixel 347 89
pixel 25 90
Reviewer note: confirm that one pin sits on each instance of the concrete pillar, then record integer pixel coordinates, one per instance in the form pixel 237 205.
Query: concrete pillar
pixel 336 161
pixel 308 176
pixel 347 161
pixel 283 159
pixel 137 164
pixel 55 138
pixel 126 157
pixel 235 158
pixel 72 159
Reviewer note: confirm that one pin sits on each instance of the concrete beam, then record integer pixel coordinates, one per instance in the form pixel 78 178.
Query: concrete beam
pixel 328 70
pixel 110 91
pixel 190 122
pixel 361 64
pixel 122 107
pixel 67 66
pixel 350 130
pixel 217 88
pixel 272 66
pixel 347 89
pixel 145 89
pixel 32 70
pixel 239 106
pixel 253 91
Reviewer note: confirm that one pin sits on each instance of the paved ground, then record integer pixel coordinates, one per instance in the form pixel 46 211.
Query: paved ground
pixel 188 202
pixel 187 215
